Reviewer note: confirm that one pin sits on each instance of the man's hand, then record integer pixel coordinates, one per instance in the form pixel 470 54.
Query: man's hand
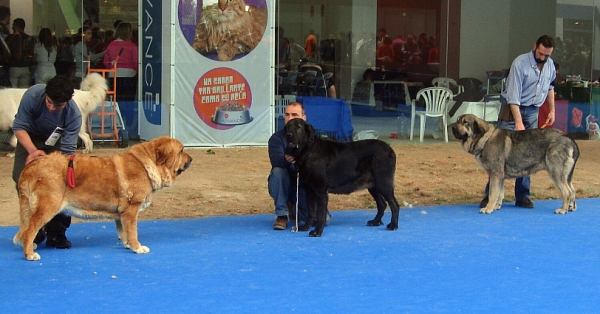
pixel 34 155
pixel 290 159
pixel 550 118
pixel 519 126
pixel 516 113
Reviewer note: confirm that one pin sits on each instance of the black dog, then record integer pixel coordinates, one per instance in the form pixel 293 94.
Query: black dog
pixel 341 168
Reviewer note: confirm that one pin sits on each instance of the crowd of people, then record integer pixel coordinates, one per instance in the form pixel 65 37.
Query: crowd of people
pixel 398 53
pixel 408 53
pixel 28 59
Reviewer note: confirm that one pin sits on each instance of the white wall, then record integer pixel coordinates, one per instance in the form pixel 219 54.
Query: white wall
pixel 484 37
pixel 23 9
pixel 528 21
pixel 494 32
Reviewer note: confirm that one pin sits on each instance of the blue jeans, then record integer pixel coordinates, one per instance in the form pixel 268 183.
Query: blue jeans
pixel 282 190
pixel 529 114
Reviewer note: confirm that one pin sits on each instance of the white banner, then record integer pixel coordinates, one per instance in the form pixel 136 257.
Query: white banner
pixel 223 78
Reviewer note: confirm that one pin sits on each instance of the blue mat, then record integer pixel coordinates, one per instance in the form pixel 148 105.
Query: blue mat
pixel 445 259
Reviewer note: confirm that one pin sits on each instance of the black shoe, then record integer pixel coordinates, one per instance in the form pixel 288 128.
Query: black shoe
pixel 484 202
pixel 58 241
pixel 525 203
pixel 40 237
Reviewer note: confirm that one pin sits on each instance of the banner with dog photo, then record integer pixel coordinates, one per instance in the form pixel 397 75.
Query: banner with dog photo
pixel 223 78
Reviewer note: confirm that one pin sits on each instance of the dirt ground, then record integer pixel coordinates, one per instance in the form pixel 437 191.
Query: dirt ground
pixel 233 181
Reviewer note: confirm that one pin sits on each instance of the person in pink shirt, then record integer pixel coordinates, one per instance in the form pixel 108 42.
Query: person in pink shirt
pixel 127 65
pixel 127 78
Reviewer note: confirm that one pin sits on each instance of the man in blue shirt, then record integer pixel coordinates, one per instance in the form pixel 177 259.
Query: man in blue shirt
pixel 283 170
pixel 527 86
pixel 48 120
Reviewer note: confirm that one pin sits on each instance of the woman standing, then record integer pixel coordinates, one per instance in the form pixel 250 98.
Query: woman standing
pixel 45 56
pixel 127 78
pixel 84 35
pixel 128 59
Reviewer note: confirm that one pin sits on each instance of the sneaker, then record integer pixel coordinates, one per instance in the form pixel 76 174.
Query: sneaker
pixel 40 237
pixel 525 203
pixel 280 223
pixel 484 202
pixel 58 241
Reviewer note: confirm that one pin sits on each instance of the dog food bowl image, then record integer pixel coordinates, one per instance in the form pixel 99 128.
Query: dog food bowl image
pixel 231 114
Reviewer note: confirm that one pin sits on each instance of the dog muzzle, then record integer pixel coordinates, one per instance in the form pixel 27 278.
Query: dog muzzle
pixel 458 135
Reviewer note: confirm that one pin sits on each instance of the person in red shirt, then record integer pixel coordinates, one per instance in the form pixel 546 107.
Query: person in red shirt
pixel 385 53
pixel 433 55
pixel 310 45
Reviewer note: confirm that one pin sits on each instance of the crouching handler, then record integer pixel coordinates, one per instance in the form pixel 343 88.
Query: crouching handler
pixel 48 120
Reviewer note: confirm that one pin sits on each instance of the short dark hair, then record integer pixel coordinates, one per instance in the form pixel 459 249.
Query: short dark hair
pixel 59 89
pixel 19 22
pixel 295 103
pixel 546 41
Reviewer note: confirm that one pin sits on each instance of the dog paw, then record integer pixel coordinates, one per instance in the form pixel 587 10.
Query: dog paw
pixel 486 210
pixel 11 155
pixel 375 223
pixel 141 250
pixel 315 234
pixel 561 211
pixel 392 226
pixel 33 257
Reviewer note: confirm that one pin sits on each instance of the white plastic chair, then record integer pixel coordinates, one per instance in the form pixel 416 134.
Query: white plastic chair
pixel 436 105
pixel 448 83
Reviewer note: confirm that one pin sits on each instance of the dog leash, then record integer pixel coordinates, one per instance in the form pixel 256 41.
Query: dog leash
pixel 295 229
pixel 71 172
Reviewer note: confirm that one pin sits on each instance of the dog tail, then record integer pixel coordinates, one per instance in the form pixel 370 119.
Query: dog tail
pixel 574 156
pixel 97 86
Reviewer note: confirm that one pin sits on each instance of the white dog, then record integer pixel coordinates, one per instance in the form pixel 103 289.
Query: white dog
pixel 92 93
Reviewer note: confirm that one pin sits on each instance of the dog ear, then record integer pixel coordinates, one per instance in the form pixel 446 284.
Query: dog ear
pixel 480 127
pixel 163 150
pixel 310 133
